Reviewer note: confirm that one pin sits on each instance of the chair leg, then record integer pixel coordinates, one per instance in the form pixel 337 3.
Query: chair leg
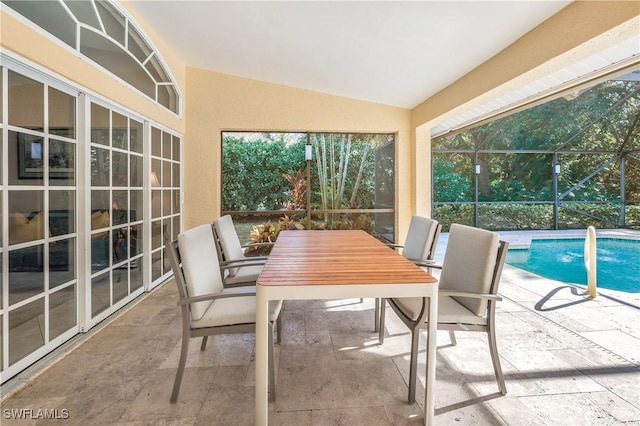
pixel 413 364
pixel 272 370
pixel 452 337
pixel 382 318
pixel 203 345
pixel 279 328
pixel 493 348
pixel 376 316
pixel 180 372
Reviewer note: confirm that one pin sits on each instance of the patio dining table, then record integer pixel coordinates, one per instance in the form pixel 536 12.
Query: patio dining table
pixel 333 264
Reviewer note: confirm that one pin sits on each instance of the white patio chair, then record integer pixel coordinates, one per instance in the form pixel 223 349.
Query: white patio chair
pixel 421 241
pixel 467 295
pixel 419 247
pixel 231 253
pixel 207 307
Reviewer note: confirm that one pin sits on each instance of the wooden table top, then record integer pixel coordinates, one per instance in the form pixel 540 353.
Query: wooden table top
pixel 336 257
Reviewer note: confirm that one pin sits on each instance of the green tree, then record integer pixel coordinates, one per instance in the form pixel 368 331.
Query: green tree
pixel 587 130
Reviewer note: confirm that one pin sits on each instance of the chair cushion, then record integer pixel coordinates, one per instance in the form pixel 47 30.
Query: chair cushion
pixel 200 266
pixel 449 310
pixel 410 306
pixel 469 262
pixel 100 219
pixel 22 229
pixel 418 242
pixel 248 274
pixel 229 241
pixel 234 310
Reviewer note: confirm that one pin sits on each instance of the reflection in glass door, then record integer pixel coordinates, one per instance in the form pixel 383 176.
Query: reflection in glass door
pixel 38 296
pixel 116 234
pixel 165 199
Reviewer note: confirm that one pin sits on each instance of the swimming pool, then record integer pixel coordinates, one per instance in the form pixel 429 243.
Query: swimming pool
pixel 562 259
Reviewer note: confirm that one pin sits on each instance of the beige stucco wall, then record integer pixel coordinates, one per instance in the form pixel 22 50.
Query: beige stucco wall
pixel 218 102
pixel 578 31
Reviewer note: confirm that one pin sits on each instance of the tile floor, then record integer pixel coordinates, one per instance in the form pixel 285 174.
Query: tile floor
pixel 566 359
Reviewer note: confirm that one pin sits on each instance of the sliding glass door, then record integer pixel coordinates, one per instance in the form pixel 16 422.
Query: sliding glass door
pixel 85 211
pixel 39 189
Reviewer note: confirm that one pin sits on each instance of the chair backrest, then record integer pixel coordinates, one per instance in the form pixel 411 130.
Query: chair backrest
pixel 228 241
pixel 421 238
pixel 195 266
pixel 473 263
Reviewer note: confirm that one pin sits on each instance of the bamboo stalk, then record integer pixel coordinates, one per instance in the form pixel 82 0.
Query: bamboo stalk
pixel 360 171
pixel 346 167
pixel 337 197
pixel 332 168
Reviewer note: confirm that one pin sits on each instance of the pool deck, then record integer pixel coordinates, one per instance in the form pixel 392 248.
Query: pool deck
pixel 567 360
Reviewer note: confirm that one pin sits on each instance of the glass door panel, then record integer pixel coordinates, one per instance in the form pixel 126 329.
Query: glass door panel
pixel 62 262
pixel 25 102
pixel 62 160
pixel 42 267
pixel 26 251
pixel 25 331
pixel 165 198
pixel 62 311
pixel 116 207
pixel 62 114
pixel 100 293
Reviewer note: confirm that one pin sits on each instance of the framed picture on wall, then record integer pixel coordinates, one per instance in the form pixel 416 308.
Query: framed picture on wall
pixel 31 158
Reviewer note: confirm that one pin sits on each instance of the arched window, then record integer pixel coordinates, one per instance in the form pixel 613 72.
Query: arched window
pixel 101 31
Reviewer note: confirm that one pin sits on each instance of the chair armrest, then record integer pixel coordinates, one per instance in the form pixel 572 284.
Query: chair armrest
pixel 242 292
pixel 251 258
pixel 487 296
pixel 257 245
pixel 241 263
pixel 427 263
pixel 391 245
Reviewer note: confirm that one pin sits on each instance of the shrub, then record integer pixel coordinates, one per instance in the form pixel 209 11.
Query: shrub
pixel 511 217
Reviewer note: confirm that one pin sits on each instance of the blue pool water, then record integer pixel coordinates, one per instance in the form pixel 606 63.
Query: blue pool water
pixel 618 266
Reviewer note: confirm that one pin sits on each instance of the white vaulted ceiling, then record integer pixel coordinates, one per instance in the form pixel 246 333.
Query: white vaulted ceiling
pixel 395 52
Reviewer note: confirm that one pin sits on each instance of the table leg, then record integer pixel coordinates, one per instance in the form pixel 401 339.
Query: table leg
pixel 262 354
pixel 429 395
